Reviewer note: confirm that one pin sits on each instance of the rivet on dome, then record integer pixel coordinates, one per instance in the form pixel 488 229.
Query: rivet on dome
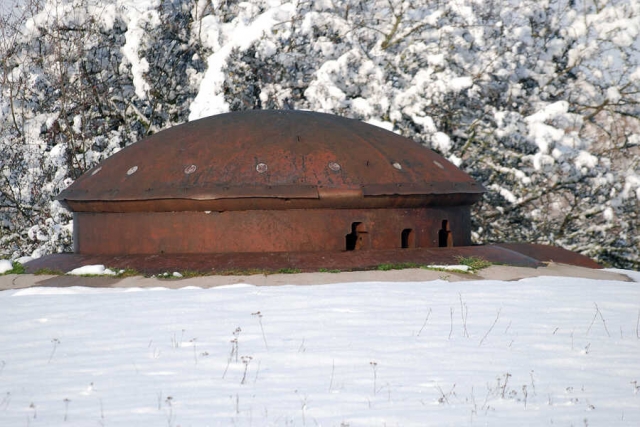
pixel 132 170
pixel 261 168
pixel 190 169
pixel 397 166
pixel 334 166
pixel 438 164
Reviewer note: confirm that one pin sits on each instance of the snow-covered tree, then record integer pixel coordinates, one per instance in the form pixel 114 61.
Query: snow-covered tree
pixel 538 100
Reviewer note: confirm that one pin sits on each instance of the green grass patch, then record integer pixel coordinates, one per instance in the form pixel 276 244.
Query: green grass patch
pixel 247 272
pixel 127 272
pixel 48 272
pixel 253 271
pixel 397 266
pixel 17 269
pixel 326 270
pixel 289 271
pixel 186 274
pixel 474 263
pixel 92 275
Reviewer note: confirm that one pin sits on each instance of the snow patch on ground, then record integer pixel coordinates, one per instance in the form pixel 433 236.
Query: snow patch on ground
pixel 539 351
pixel 5 266
pixel 464 268
pixel 97 270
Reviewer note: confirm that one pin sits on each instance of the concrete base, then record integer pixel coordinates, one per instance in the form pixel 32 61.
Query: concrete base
pixel 495 272
pixel 230 263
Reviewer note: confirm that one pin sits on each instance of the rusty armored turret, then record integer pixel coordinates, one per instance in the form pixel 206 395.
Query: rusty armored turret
pixel 271 181
pixel 272 190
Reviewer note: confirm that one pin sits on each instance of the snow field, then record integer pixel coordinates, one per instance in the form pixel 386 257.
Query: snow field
pixel 534 352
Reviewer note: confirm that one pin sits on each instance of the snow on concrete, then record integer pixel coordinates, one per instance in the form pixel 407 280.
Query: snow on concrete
pixel 464 268
pixel 92 270
pixel 5 266
pixel 561 351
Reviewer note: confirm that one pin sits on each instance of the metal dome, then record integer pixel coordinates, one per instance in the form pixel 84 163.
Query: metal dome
pixel 271 159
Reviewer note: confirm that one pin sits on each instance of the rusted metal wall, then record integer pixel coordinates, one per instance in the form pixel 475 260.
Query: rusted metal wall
pixel 268 231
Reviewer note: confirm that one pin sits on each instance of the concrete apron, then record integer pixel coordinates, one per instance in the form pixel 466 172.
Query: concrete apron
pixel 495 272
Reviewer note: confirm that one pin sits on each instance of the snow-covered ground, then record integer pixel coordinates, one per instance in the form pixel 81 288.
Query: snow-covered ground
pixel 543 351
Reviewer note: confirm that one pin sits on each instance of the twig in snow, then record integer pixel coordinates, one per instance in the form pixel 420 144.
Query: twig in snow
pixel 504 386
pixel 604 322
pixel 572 338
pixel 486 398
pixel 474 411
pixel 234 350
pixel 602 318
pixel 374 366
pixel 234 341
pixel 491 328
pixel 444 398
pixel 303 407
pixel 257 313
pixel 168 401
pixel 246 360
pixel 195 354
pixel 464 310
pixel 55 343
pixel 333 368
pixel 175 343
pixel 66 408
pixel 533 384
pixel 425 322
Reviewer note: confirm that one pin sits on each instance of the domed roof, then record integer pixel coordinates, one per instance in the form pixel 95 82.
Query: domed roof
pixel 264 159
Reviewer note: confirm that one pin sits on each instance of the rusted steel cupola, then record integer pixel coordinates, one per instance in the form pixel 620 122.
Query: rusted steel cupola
pixel 271 181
